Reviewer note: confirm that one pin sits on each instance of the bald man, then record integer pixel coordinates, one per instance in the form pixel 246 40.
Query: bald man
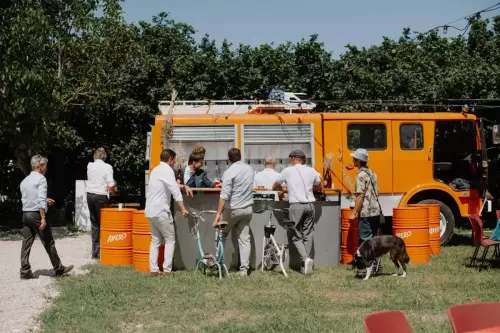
pixel 268 176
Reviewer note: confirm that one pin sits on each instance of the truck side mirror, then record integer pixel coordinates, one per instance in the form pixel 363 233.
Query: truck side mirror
pixel 496 134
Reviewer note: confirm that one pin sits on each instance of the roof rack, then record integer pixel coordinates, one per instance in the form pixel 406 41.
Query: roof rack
pixel 203 107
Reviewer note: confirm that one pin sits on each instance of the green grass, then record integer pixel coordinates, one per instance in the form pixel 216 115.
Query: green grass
pixel 331 300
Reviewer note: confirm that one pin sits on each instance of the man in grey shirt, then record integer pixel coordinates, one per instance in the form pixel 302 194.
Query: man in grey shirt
pixel 237 196
pixel 34 199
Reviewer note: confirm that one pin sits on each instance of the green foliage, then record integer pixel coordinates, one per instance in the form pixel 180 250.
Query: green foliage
pixel 72 80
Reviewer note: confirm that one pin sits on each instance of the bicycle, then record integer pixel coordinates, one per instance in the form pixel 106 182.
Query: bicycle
pixel 208 260
pixel 274 254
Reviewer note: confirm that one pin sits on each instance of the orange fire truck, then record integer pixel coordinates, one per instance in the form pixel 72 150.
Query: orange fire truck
pixel 418 157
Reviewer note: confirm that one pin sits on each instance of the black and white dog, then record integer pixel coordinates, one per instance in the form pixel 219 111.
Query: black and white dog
pixel 370 251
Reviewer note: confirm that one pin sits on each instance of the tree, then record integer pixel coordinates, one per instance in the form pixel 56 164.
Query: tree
pixel 72 81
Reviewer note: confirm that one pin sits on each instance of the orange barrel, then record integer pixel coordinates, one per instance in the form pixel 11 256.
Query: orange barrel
pixel 412 225
pixel 349 243
pixel 142 239
pixel 434 226
pixel 116 236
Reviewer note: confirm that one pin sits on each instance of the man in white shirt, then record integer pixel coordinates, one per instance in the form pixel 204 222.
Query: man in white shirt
pixel 237 196
pixel 268 176
pixel 301 180
pixel 161 186
pixel 99 183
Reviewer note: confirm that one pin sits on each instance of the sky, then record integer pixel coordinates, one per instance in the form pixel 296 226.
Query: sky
pixel 337 22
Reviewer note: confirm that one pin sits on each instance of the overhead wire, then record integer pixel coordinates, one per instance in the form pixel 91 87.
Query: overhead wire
pixel 470 18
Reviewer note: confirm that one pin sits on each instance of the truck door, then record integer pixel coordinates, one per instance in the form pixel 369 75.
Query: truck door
pixel 412 154
pixel 374 136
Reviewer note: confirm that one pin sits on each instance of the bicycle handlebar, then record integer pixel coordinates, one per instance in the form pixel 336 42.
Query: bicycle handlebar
pixel 270 209
pixel 198 216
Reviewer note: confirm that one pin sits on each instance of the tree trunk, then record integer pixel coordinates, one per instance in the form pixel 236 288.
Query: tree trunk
pixel 23 161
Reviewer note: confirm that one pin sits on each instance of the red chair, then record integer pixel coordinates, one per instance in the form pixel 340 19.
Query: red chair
pixel 473 317
pixel 387 322
pixel 480 239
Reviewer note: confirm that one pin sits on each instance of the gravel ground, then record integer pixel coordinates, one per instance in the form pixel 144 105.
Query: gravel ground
pixel 22 301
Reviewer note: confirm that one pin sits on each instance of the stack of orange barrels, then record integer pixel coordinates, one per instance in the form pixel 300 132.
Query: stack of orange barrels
pixel 349 240
pixel 116 236
pixel 142 240
pixel 412 225
pixel 434 226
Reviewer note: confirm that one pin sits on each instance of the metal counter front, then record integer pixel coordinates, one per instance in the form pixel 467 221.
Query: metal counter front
pixel 326 246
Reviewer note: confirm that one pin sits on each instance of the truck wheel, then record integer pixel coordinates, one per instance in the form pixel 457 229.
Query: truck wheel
pixel 447 224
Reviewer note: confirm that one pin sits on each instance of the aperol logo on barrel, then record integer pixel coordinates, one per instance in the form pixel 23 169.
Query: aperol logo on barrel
pixel 435 230
pixel 116 238
pixel 405 234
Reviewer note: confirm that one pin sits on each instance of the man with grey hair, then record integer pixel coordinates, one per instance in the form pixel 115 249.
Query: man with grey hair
pixel 34 199
pixel 99 183
pixel 268 176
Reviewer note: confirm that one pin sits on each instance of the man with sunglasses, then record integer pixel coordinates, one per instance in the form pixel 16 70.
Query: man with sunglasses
pixel 301 180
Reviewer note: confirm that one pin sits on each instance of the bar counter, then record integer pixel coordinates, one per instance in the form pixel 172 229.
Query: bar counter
pixel 326 246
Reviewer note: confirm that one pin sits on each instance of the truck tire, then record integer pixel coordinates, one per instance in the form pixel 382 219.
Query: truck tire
pixel 447 220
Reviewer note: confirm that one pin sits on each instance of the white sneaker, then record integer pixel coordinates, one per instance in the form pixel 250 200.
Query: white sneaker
pixel 308 266
pixel 243 273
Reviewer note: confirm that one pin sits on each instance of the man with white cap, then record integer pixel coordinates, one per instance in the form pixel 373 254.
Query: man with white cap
pixel 366 206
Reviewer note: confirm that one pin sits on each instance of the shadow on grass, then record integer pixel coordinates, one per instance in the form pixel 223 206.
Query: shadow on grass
pixel 488 263
pixel 44 272
pixel 461 240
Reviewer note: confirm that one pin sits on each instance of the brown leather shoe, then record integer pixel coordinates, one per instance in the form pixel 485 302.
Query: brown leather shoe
pixel 64 271
pixel 166 273
pixel 152 274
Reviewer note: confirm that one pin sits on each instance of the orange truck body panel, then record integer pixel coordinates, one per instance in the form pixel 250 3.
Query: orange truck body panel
pixel 401 172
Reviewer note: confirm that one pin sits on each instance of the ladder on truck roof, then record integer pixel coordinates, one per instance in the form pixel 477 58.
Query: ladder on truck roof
pixel 203 107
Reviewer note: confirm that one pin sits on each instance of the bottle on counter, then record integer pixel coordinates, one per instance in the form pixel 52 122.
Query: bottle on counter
pixel 180 176
pixel 327 183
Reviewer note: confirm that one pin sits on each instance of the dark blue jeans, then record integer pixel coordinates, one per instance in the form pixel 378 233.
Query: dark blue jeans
pixel 367 229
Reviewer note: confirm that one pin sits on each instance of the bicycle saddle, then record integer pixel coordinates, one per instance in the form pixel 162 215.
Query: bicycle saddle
pixel 222 225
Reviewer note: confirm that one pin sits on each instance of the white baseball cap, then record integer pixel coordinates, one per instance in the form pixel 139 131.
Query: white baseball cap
pixel 361 155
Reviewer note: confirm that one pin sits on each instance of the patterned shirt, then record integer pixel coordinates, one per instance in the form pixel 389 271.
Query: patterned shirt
pixel 367 184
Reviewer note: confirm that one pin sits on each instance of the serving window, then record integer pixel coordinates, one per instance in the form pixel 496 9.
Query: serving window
pixel 261 141
pixel 217 140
